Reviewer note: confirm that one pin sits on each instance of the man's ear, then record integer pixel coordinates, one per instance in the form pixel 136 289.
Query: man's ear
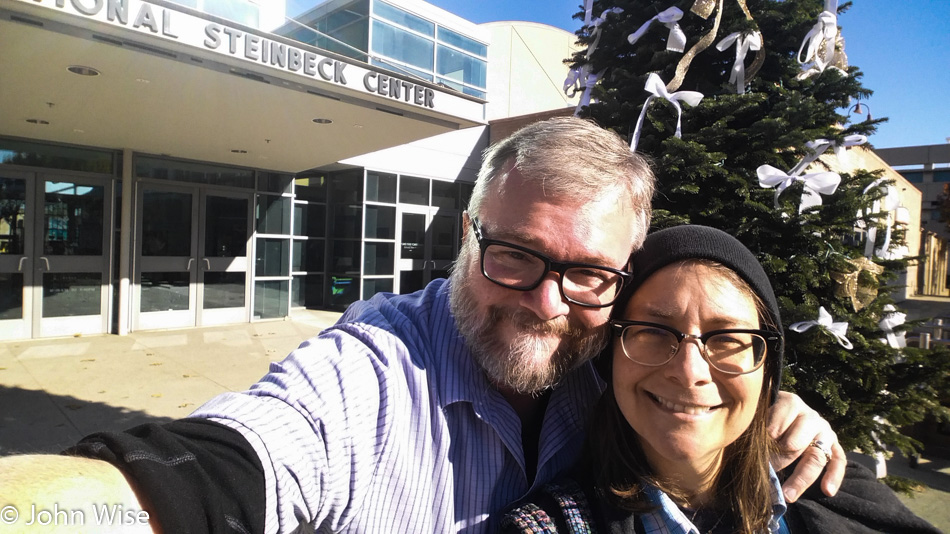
pixel 466 224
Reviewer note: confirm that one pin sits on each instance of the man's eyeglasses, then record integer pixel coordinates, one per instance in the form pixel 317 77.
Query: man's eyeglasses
pixel 523 269
pixel 731 351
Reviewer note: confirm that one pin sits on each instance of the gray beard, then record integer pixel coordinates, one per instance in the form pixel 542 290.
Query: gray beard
pixel 520 366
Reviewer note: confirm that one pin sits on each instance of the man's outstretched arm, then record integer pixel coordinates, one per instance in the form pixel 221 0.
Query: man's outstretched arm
pixel 190 475
pixel 61 493
pixel 796 428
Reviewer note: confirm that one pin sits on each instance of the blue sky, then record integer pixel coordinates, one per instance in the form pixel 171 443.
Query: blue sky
pixel 901 46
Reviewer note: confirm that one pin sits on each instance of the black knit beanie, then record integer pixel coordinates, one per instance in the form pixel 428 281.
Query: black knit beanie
pixel 692 241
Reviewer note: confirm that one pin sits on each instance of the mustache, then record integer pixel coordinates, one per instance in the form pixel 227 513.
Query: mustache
pixel 529 322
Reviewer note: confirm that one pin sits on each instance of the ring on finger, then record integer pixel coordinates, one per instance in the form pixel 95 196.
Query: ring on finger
pixel 823 447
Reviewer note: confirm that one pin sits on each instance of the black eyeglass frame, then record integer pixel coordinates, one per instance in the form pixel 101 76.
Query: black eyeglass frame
pixel 559 267
pixel 773 341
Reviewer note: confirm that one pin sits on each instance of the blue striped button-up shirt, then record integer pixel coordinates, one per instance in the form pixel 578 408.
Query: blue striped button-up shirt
pixel 384 423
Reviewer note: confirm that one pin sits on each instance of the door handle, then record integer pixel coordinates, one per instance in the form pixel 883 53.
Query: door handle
pixel 20 266
pixel 207 264
pixel 190 261
pixel 46 261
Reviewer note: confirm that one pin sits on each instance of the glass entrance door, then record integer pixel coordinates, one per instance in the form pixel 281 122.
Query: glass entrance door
pixel 429 240
pixel 223 278
pixel 191 257
pixel 16 249
pixel 54 255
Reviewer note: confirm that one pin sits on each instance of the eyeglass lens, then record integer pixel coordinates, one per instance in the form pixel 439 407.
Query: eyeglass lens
pixel 521 269
pixel 734 352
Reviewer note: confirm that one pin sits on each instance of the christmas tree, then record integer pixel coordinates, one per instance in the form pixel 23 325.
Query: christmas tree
pixel 756 86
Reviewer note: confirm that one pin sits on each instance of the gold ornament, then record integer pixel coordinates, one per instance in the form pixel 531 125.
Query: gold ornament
pixel 850 284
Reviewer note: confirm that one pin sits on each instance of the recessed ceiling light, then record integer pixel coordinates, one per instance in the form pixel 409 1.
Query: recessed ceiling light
pixel 37 121
pixel 358 126
pixel 82 71
pixel 77 130
pixel 238 151
pixel 322 121
pixel 142 80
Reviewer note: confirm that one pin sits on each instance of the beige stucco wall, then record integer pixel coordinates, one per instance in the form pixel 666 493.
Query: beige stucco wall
pixel 861 157
pixel 526 69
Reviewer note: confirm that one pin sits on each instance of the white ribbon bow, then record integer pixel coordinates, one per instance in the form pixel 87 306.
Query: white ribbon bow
pixel 582 76
pixel 656 86
pixel 818 57
pixel 818 147
pixel 893 318
pixel 676 41
pixel 838 330
pixel 743 43
pixel 824 183
pixel 887 205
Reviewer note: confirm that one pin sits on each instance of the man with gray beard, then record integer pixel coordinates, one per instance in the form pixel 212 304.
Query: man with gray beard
pixel 428 412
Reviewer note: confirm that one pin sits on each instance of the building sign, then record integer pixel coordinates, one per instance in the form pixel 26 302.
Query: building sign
pixel 261 49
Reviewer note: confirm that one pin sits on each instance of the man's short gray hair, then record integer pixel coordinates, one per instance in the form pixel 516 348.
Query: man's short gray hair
pixel 572 157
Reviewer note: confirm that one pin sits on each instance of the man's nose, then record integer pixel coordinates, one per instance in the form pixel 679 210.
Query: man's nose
pixel 546 300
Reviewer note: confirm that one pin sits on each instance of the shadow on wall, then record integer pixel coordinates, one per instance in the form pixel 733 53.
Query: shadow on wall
pixel 37 422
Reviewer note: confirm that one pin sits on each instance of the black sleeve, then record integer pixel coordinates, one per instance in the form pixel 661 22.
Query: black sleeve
pixel 194 475
pixel 863 504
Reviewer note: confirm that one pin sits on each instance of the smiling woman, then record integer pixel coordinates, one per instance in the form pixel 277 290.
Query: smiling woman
pixel 679 441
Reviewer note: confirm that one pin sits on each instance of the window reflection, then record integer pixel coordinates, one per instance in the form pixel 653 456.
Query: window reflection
pixel 73 219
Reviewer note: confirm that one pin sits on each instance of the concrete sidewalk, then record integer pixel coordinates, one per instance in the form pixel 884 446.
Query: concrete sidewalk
pixel 54 391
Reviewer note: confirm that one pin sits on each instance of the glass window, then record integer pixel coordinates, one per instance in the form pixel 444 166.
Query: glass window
pixel 345 257
pixel 310 220
pixel 378 258
pixel 402 69
pixel 307 291
pixel 380 222
pixel 57 157
pixel 461 67
pixel 271 299
pixel 273 257
pixel 308 255
pixel 403 18
pixel 12 215
pixel 445 194
pixel 224 289
pixel 347 188
pixel 199 173
pixel 273 182
pixel 273 214
pixel 913 177
pixel 240 11
pixel 164 291
pixel 414 191
pixel 73 217
pixel 346 222
pixel 402 46
pixel 942 176
pixel 11 295
pixel 380 187
pixel 166 224
pixel 460 41
pixel 376 285
pixel 344 290
pixel 313 188
pixel 225 227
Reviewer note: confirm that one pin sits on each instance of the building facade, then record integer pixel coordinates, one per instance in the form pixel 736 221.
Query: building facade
pixel 176 164
pixel 928 168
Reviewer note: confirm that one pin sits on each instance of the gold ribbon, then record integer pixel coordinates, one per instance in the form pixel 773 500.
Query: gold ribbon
pixel 704 9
